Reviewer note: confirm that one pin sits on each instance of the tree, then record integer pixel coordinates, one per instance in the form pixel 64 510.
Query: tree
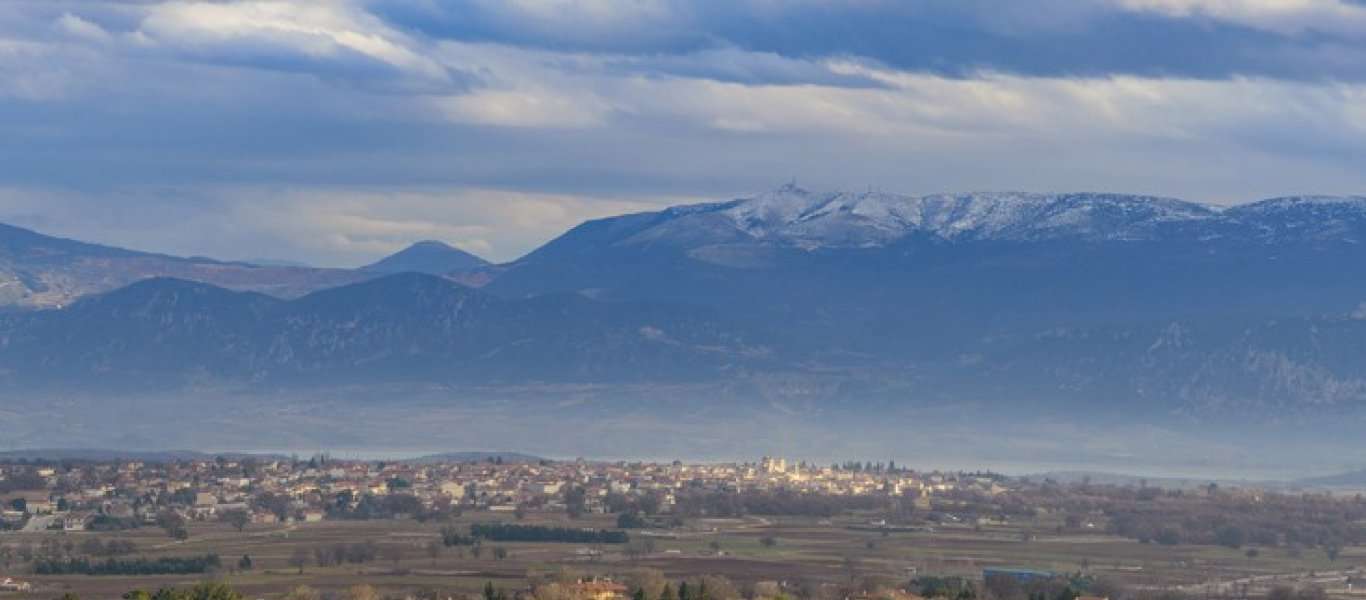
pixel 245 563
pixel 299 559
pixel 362 592
pixel 500 553
pixel 1332 550
pixel 393 552
pixel 716 587
pixel 575 501
pixel 1230 536
pixel 651 581
pixel 630 520
pixel 303 592
pixel 322 555
pixel 434 549
pixel 278 504
pixel 173 524
pixel 213 590
pixel 768 541
pixel 237 517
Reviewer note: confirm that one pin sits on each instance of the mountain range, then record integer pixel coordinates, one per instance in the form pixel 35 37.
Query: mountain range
pixel 1114 306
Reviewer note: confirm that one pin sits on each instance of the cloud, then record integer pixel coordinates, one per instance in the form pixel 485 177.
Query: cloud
pixel 1212 39
pixel 81 28
pixel 1290 17
pixel 337 130
pixel 523 108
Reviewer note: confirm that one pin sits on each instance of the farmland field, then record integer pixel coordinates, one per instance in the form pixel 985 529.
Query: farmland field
pixel 407 556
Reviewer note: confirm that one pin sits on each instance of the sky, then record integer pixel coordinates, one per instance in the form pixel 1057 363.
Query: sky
pixel 336 131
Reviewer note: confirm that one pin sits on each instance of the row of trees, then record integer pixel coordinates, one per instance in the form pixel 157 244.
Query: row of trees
pixel 52 549
pixel 216 590
pixel 166 565
pixel 503 532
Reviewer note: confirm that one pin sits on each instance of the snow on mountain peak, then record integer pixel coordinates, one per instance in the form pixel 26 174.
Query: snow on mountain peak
pixel 794 215
pixel 798 217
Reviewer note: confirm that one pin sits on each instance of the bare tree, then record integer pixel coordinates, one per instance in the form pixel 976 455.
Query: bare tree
pixel 237 517
pixel 299 559
pixel 393 553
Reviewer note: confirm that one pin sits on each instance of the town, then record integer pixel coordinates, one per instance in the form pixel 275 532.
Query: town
pixel 75 496
pixel 767 528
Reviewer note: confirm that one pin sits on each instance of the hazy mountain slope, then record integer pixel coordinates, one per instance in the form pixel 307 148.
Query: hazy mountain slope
pixel 159 329
pixel 430 257
pixel 1103 305
pixel 39 271
pixel 164 333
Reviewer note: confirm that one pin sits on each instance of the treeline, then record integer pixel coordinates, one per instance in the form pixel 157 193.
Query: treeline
pixel 452 537
pixel 129 566
pixel 501 532
pixel 108 523
pixel 355 553
pixel 1235 520
pixel 388 506
pixel 1209 515
pixel 779 503
pixel 94 547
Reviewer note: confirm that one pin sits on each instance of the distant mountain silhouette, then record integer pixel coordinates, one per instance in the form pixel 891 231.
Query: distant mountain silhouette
pixel 39 271
pixel 460 457
pixel 430 257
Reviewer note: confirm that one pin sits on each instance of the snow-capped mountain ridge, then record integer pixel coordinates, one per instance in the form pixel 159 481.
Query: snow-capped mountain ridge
pixel 794 215
pixel 1303 218
pixel 791 215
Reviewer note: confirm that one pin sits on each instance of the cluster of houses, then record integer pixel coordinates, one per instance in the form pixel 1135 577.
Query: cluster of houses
pixel 80 495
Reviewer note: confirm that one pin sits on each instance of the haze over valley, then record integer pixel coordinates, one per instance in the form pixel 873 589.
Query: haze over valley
pixel 1113 323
